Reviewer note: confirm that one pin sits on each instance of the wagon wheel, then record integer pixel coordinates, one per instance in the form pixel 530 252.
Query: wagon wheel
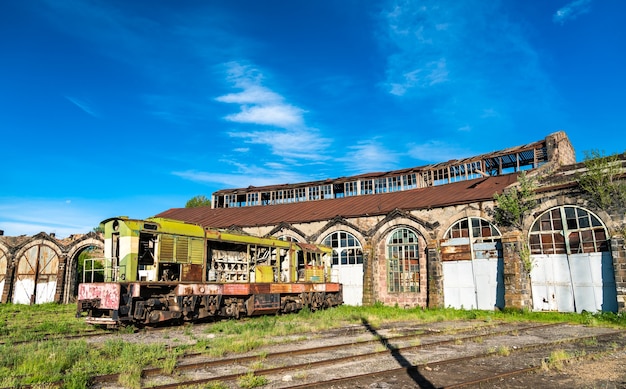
pixel 318 300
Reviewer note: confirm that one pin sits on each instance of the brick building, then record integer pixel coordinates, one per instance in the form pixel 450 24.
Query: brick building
pixel 422 236
pixel 426 237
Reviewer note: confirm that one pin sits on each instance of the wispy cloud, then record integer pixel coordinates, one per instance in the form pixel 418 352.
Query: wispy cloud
pixel 257 103
pixel 430 74
pixel 244 175
pixel 572 11
pixel 261 106
pixel 83 105
pixel 368 156
pixel 463 60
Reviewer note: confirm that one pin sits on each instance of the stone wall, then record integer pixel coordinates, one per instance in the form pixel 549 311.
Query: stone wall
pixel 14 250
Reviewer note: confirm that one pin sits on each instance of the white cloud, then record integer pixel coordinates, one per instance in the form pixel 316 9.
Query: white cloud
pixel 369 156
pixel 261 106
pixel 252 94
pixel 571 11
pixel 298 144
pixel 283 116
pixel 257 103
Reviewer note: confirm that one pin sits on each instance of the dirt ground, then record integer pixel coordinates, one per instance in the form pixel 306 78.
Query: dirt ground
pixel 604 370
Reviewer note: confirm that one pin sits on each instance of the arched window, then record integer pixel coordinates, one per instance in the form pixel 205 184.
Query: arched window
pixel 473 227
pixel 288 238
pixel 568 230
pixel 402 261
pixel 346 248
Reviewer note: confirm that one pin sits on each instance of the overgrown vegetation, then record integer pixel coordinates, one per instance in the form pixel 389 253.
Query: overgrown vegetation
pixel 76 361
pixel 515 203
pixel 601 180
pixel 556 360
pixel 512 206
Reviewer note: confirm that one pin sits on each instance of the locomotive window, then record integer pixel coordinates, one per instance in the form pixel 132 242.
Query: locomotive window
pixel 146 249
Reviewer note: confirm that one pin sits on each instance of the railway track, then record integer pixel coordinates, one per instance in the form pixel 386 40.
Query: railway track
pixel 464 357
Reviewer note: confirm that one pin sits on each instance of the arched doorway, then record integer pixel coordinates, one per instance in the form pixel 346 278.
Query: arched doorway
pixel 347 265
pixel 572 266
pixel 36 275
pixel 472 265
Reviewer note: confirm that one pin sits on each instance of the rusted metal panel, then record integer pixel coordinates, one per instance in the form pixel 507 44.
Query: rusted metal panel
pixel 199 289
pixel 287 288
pixel 488 250
pixel 333 287
pixel 260 288
pixel 236 289
pixel 107 293
pixel 263 303
pixel 191 272
pixel 456 253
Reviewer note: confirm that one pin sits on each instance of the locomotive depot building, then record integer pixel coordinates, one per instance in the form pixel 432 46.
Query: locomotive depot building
pixel 422 236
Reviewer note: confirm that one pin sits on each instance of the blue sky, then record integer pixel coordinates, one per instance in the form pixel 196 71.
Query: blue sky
pixel 133 107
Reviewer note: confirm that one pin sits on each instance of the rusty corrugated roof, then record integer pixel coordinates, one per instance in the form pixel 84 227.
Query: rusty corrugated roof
pixel 463 192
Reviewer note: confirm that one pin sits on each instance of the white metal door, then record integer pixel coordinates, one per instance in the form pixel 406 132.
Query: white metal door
pixel 474 283
pixel 458 284
pixel 574 283
pixel 593 281
pixel 351 277
pixel 551 283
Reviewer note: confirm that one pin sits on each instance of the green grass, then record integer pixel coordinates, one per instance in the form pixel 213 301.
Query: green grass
pixel 75 361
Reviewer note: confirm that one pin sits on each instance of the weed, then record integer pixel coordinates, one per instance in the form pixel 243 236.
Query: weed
pixel 478 339
pixel 590 341
pixel 258 364
pixel 504 351
pixel 251 381
pixel 556 360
